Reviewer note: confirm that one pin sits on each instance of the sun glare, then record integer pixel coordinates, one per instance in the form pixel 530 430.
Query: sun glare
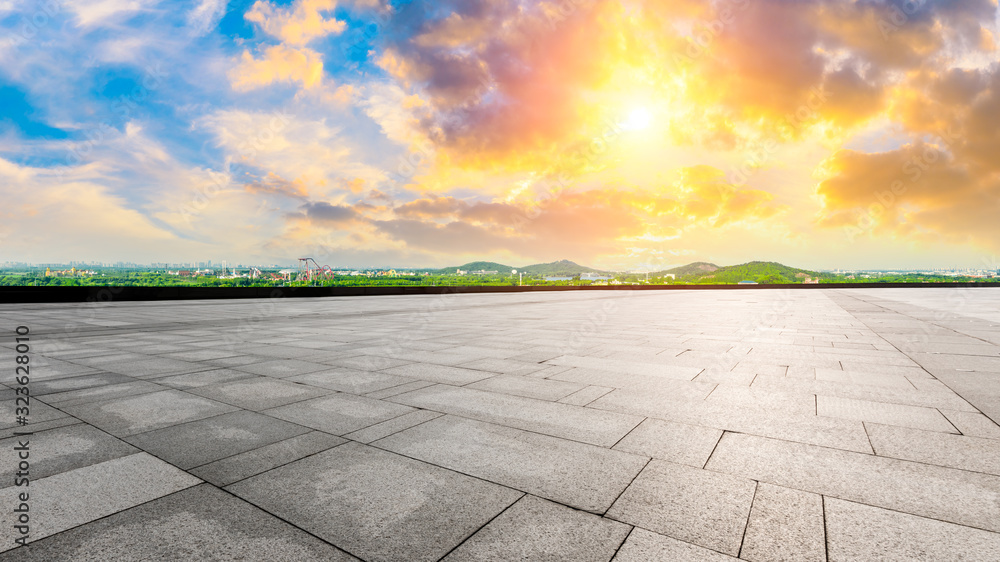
pixel 639 119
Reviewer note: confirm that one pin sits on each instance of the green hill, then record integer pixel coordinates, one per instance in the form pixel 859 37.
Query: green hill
pixel 477 266
pixel 558 268
pixel 758 271
pixel 696 268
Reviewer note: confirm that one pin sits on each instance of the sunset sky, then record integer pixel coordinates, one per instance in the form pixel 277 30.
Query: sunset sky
pixel 620 135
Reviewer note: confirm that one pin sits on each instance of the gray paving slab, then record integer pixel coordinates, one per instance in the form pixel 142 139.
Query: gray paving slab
pixel 973 424
pixel 339 413
pixel 536 529
pixel 550 418
pixel 75 497
pixel 67 384
pixel 505 366
pixel 576 474
pixel 830 432
pixel 730 396
pixel 401 389
pixel 201 378
pixel 865 378
pixel 881 412
pixel 378 505
pixel 145 412
pixel 368 362
pixel 675 442
pixel 199 523
pixel 948 494
pixel 281 368
pixel 677 372
pixel 95 394
pixel 585 395
pixel 542 389
pixel 61 449
pixel 351 380
pixel 439 373
pixel 389 427
pixel 947 400
pixel 259 393
pixel 645 383
pixel 932 447
pixel 643 546
pixel 705 508
pixel 785 526
pixel 863 532
pixel 232 469
pixel 199 442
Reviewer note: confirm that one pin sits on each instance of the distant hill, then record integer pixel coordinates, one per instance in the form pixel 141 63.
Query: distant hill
pixel 758 271
pixel 477 266
pixel 563 268
pixel 696 268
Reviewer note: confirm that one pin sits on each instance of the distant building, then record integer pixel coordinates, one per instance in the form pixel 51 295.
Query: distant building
pixel 810 281
pixel 558 278
pixel 747 283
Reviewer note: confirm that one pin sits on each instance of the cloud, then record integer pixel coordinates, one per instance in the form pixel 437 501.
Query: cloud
pixel 274 184
pixel 297 25
pixel 206 15
pixel 321 212
pixel 278 64
pixel 918 192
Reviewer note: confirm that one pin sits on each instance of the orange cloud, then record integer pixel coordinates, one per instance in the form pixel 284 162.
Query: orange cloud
pixel 279 64
pixel 297 25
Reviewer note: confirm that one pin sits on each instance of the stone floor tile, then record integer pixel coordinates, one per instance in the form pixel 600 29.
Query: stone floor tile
pixel 259 393
pixel 675 442
pixel 644 546
pixel 72 498
pixel 882 412
pixel 214 526
pixel 932 447
pixel 542 389
pixel 64 448
pixel 582 476
pixel 401 389
pixel 973 424
pixel 200 442
pixel 281 368
pixel 225 471
pixel 785 526
pixel 378 505
pixel 146 412
pixel 862 532
pixel 389 427
pixel 550 418
pixel 705 508
pixel 536 529
pixel 201 378
pixel 439 373
pixel 948 494
pixel 585 395
pixel 351 380
pixel 339 413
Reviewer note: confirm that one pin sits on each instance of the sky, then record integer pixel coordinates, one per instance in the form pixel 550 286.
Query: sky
pixel 629 134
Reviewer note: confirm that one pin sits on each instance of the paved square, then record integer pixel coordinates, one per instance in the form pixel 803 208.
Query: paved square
pixel 763 425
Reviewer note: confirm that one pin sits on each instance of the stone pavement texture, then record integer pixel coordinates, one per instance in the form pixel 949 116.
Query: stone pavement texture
pixel 762 425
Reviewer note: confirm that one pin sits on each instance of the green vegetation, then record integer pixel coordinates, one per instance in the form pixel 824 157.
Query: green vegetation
pixel 561 268
pixel 475 266
pixel 699 273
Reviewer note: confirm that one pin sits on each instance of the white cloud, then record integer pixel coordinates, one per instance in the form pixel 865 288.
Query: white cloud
pixel 206 15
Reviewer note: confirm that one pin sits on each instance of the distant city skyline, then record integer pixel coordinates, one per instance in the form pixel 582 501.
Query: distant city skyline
pixel 624 135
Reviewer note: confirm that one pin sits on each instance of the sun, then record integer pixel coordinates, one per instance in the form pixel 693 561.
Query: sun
pixel 640 118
